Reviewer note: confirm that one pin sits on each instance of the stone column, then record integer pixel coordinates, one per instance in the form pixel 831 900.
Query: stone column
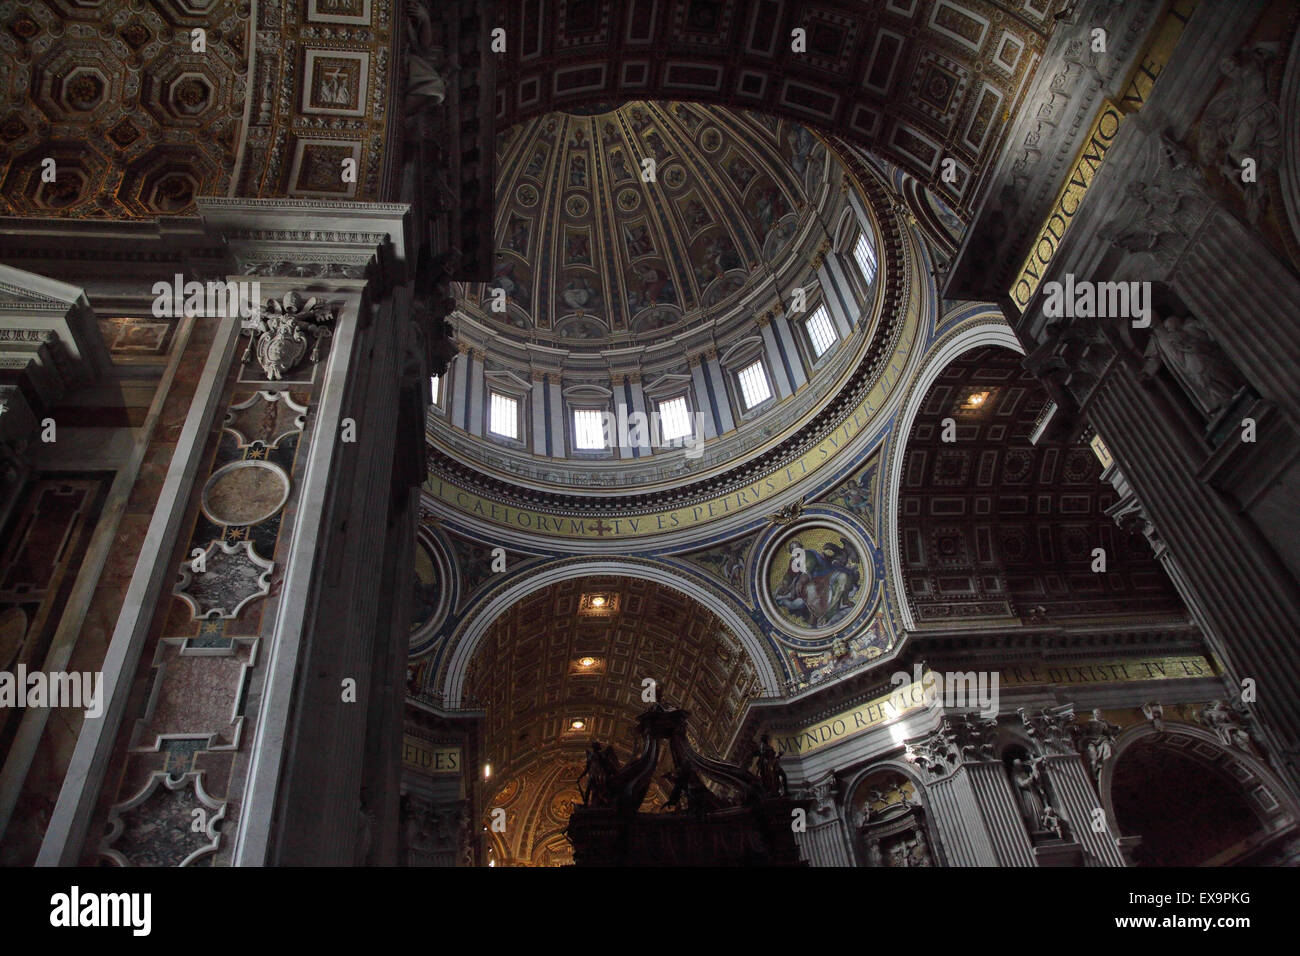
pixel 458 400
pixel 1057 738
pixel 478 396
pixel 969 802
pixel 287 660
pixel 537 404
pixel 213 344
pixel 618 384
pixel 825 842
pixel 555 415
pixel 775 360
pixel 1079 802
pixel 836 290
pixel 1232 282
pixel 785 336
pixel 1233 583
pixel 638 405
pixel 720 400
pixel 702 404
pixel 956 817
pixel 997 805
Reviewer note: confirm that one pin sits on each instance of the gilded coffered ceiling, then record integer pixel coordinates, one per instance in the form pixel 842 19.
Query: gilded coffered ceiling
pixel 914 81
pixel 993 525
pixel 580 651
pixel 141 107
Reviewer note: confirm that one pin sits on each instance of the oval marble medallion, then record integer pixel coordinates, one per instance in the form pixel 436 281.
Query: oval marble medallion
pixel 245 492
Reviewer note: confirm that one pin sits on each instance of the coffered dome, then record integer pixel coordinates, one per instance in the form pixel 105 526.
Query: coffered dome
pixel 629 224
pixel 709 268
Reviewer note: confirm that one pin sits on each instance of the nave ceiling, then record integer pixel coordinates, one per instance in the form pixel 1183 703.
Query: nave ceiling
pixel 555 657
pixel 914 81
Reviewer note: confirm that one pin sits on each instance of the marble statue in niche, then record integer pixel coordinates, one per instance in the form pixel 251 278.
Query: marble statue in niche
pixel 1184 346
pixel 1033 792
pixel 1243 123
pixel 1027 775
pixel 425 86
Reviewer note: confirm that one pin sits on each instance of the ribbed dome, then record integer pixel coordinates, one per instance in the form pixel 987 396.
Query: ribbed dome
pixel 639 222
pixel 649 258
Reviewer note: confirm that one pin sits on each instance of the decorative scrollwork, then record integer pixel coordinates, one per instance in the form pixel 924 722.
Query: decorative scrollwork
pixel 280 332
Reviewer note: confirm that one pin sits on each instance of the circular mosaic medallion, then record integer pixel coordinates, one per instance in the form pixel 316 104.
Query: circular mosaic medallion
pixel 564 802
pixel 711 140
pixel 507 793
pixel 628 199
pixel 245 492
pixel 815 577
pixel 526 195
pixel 576 206
pixel 675 177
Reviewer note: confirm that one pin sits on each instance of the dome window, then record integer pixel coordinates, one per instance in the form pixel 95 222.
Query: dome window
pixel 754 387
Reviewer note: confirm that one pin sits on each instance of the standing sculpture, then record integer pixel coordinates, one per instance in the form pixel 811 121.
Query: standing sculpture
pixel 1185 347
pixel 769 767
pixel 594 774
pixel 1035 798
pixel 1096 742
pixel 425 86
pixel 602 765
pixel 1242 124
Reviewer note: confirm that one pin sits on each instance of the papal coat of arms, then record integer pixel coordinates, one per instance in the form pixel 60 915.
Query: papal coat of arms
pixel 281 332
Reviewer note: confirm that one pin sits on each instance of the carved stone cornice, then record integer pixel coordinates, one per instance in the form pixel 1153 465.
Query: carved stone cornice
pixel 334 238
